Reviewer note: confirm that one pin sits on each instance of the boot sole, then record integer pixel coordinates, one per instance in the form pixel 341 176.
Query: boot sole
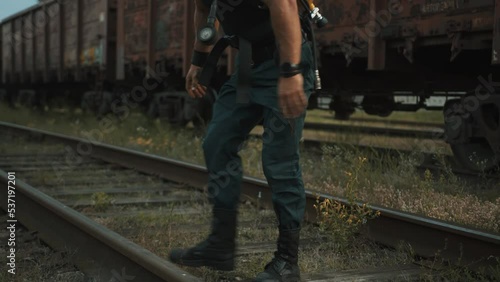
pixel 224 265
pixel 286 279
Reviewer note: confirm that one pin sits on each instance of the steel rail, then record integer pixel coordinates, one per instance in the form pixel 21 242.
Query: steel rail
pixel 427 159
pixel 427 236
pixel 96 250
pixel 435 134
pixel 397 122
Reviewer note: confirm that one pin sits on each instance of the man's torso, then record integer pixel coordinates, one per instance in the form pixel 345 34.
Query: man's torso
pixel 244 18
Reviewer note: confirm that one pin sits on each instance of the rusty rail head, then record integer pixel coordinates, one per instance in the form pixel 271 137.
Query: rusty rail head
pixel 98 251
pixel 426 236
pixel 435 133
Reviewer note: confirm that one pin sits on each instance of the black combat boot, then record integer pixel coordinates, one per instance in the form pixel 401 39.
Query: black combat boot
pixel 284 265
pixel 218 250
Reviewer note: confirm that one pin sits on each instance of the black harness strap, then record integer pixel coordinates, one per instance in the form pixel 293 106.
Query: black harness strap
pixel 245 70
pixel 210 66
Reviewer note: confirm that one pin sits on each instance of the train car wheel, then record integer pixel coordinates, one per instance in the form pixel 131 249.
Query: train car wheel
pixel 474 153
pixel 105 106
pixel 477 155
pixel 88 104
pixel 152 112
pixel 3 95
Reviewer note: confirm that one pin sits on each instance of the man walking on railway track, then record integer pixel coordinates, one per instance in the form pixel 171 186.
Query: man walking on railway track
pixel 274 79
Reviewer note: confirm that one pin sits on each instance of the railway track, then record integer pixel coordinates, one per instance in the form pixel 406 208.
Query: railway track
pixel 397 122
pixel 138 176
pixel 99 252
pixel 429 160
pixel 475 156
pixel 435 133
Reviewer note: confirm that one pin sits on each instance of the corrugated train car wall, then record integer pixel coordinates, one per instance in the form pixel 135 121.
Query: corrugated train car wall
pixel 72 46
pixel 1 60
pixel 3 92
pixel 167 40
pixel 98 39
pixel 56 43
pixel 158 35
pixel 369 47
pixel 7 59
pixel 410 45
pixel 133 28
pixel 154 36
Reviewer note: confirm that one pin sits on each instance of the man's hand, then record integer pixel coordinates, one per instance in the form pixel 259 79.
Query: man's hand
pixel 292 98
pixel 286 27
pixel 194 89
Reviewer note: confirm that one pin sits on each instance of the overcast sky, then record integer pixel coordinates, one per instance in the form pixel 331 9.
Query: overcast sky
pixel 9 7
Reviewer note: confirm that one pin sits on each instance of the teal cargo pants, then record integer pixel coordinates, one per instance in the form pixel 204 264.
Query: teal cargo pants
pixel 230 125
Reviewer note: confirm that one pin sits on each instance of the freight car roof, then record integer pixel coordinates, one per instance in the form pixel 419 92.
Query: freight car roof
pixel 27 10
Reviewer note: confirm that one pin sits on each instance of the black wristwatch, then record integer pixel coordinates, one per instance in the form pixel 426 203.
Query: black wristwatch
pixel 289 69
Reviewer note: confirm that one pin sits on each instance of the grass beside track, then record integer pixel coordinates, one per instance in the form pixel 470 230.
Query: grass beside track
pixel 323 116
pixel 159 233
pixel 391 181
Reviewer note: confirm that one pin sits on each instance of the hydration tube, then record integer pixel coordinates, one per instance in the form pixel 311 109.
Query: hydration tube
pixel 310 17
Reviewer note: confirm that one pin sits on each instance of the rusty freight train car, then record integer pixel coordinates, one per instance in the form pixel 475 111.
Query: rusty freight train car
pixel 371 53
pixel 157 32
pixel 376 50
pixel 58 48
pixel 155 40
pixel 376 47
pixel 151 32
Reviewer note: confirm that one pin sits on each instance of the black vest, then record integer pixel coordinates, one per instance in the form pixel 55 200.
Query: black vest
pixel 246 19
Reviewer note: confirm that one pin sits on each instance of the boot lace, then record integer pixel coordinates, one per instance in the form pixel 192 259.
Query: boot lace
pixel 277 264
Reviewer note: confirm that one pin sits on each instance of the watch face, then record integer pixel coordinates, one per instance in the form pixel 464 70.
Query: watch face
pixel 206 33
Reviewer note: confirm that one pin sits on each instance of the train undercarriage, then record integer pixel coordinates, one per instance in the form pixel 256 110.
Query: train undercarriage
pixel 472 120
pixel 466 91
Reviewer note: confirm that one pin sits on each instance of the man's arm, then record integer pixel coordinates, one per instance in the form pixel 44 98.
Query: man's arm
pixel 200 21
pixel 201 13
pixel 286 26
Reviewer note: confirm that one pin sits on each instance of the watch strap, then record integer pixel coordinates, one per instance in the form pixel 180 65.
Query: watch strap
pixel 288 70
